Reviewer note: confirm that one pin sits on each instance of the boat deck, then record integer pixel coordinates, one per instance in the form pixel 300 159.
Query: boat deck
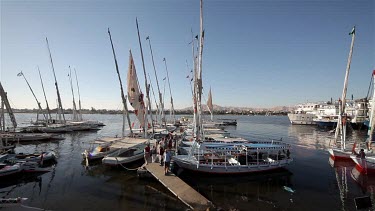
pixel 121 142
pixel 128 142
pixel 179 188
pixel 107 140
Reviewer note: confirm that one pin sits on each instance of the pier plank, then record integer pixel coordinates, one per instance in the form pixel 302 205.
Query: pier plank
pixel 179 188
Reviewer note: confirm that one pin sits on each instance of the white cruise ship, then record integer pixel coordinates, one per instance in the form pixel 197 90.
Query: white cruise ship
pixel 304 114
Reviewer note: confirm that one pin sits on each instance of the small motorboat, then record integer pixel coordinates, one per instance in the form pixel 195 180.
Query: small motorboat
pixel 99 152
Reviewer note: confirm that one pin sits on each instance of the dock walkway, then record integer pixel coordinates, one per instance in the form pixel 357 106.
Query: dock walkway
pixel 179 188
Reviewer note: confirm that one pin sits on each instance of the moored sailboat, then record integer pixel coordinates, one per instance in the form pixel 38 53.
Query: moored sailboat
pixel 126 149
pixel 366 164
pixel 227 157
pixel 339 150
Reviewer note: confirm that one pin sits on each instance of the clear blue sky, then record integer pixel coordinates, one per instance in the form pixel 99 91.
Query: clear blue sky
pixel 256 53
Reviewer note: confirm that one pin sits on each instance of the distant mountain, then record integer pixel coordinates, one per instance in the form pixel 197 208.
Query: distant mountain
pixel 218 108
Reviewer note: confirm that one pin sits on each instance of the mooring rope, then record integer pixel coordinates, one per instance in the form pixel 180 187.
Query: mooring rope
pixel 129 169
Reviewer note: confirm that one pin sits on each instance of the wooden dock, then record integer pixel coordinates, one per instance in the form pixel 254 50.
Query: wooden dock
pixel 179 188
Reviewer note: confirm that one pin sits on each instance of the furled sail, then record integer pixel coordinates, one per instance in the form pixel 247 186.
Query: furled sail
pixel 135 95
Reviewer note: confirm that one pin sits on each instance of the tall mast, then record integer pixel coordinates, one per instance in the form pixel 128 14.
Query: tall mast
pixel 199 132
pixel 122 90
pixel 45 97
pixel 146 84
pixel 157 83
pixel 339 128
pixel 188 77
pixel 74 101
pixel 153 93
pixel 170 92
pixel 36 99
pixel 60 108
pixel 5 100
pixel 195 116
pixel 79 97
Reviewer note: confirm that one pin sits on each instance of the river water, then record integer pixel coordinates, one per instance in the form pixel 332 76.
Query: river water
pixel 318 184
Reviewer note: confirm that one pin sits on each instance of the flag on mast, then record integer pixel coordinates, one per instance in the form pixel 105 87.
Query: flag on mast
pixel 352 31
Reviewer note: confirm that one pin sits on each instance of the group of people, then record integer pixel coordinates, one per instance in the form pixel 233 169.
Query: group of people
pixel 160 152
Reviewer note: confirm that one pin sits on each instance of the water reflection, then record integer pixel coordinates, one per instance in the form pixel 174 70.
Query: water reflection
pixel 317 184
pixel 313 138
pixel 351 184
pixel 259 191
pixel 310 137
pixel 19 181
pixel 366 182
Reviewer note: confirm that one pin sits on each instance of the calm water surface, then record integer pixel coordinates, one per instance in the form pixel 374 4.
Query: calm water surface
pixel 318 183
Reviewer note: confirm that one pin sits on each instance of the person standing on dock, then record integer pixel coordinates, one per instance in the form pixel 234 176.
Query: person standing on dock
pixel 167 160
pixel 153 154
pixel 161 151
pixel 161 154
pixel 147 153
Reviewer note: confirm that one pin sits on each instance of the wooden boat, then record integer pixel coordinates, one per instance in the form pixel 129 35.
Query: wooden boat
pixel 42 159
pixel 36 157
pixel 339 154
pixel 367 165
pixel 226 158
pixel 342 119
pixel 9 170
pixel 24 137
pixel 364 165
pixel 229 158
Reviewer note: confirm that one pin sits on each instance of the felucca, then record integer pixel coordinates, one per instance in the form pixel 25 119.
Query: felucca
pixel 366 164
pixel 227 158
pixel 339 151
pixel 127 148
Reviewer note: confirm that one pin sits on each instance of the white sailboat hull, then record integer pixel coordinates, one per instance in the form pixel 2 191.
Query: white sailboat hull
pixel 114 161
pixel 338 154
pixel 192 164
pixel 366 166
